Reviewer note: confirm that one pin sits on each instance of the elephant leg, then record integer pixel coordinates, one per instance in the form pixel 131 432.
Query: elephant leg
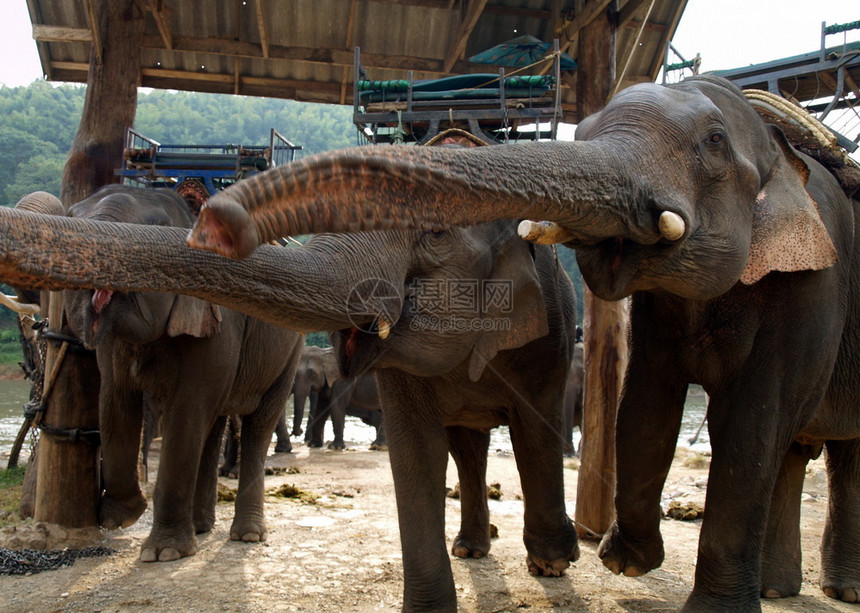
pixel 172 535
pixel 249 521
pixel 206 492
pixel 781 573
pixel 548 533
pixel 230 467
pixel 469 450
pixel 283 444
pixel 120 423
pixel 418 450
pixel 338 421
pixel 840 545
pixel 379 443
pixel 648 422
pixel 319 415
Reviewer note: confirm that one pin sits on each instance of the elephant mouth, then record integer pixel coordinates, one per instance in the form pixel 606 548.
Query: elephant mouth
pixel 358 349
pixel 101 298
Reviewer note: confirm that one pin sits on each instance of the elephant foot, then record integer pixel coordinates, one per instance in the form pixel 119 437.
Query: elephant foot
pixel 633 558
pixel 845 594
pixel 337 446
pixel 775 584
pixel 115 514
pixel 550 568
pixel 160 549
pixel 470 547
pixel 315 444
pixel 722 603
pixel 552 550
pixel 248 532
pixel 205 522
pixel 374 446
pixel 230 472
pixel 283 446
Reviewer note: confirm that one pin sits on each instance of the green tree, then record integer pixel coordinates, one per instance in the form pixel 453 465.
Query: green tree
pixel 40 172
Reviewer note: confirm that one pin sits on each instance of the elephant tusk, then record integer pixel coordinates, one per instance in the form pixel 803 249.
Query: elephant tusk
pixel 384 327
pixel 543 232
pixel 671 225
pixel 19 307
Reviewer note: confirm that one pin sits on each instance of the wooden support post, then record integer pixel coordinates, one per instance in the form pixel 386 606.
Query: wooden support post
pixel 605 323
pixel 68 486
pixel 605 361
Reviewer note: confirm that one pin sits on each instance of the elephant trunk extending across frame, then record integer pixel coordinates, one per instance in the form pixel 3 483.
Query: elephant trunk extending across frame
pixel 277 284
pixel 371 188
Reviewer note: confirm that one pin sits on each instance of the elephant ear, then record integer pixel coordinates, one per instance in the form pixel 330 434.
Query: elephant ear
pixel 193 317
pixel 788 234
pixel 512 301
pixel 330 367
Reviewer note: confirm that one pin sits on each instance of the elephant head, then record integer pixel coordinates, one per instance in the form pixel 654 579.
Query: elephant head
pixel 135 317
pixel 681 189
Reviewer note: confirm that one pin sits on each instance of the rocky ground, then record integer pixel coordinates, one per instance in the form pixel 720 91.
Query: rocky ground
pixel 336 549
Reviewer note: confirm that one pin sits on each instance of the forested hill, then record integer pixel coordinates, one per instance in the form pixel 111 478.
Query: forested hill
pixel 38 123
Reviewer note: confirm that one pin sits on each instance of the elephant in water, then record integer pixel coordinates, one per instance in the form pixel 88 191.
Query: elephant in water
pixel 742 256
pixel 466 329
pixel 192 362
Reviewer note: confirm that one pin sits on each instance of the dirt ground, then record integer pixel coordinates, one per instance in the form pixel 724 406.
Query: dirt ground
pixel 341 553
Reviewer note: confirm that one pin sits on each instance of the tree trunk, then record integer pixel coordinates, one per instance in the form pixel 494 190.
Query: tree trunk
pixel 67 488
pixel 605 323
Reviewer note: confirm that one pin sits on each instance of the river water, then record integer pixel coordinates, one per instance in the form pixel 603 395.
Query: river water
pixel 14 394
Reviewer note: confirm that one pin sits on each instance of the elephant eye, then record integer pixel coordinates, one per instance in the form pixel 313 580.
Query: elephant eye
pixel 715 138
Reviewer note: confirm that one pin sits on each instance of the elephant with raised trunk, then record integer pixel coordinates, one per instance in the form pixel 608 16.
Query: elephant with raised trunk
pixel 192 362
pixel 742 257
pixel 466 329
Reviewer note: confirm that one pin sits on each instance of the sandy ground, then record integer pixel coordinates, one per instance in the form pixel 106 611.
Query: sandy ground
pixel 341 553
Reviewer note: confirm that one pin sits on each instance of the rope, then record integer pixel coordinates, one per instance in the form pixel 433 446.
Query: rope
pixel 784 109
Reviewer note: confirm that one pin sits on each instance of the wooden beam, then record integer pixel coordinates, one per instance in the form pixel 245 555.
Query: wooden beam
pixel 570 30
pixel 263 27
pixel 60 34
pixel 159 13
pixel 464 30
pixel 94 29
pixel 348 44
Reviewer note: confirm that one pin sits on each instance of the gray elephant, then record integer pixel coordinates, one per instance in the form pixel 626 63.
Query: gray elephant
pixel 466 329
pixel 192 362
pixel 573 401
pixel 742 257
pixel 356 397
pixel 317 370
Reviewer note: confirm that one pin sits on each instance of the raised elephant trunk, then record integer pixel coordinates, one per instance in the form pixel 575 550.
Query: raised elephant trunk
pixel 370 188
pixel 272 285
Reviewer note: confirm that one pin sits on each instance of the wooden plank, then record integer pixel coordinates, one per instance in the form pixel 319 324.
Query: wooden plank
pixel 263 28
pixel 464 30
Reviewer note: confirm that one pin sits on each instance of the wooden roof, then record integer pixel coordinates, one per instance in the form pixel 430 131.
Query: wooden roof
pixel 304 49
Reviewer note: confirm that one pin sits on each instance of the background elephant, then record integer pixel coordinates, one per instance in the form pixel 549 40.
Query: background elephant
pixel 356 397
pixel 317 370
pixel 741 255
pixel 192 362
pixel 466 329
pixel 573 401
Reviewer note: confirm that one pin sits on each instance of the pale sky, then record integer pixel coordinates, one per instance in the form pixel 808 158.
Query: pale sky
pixel 726 33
